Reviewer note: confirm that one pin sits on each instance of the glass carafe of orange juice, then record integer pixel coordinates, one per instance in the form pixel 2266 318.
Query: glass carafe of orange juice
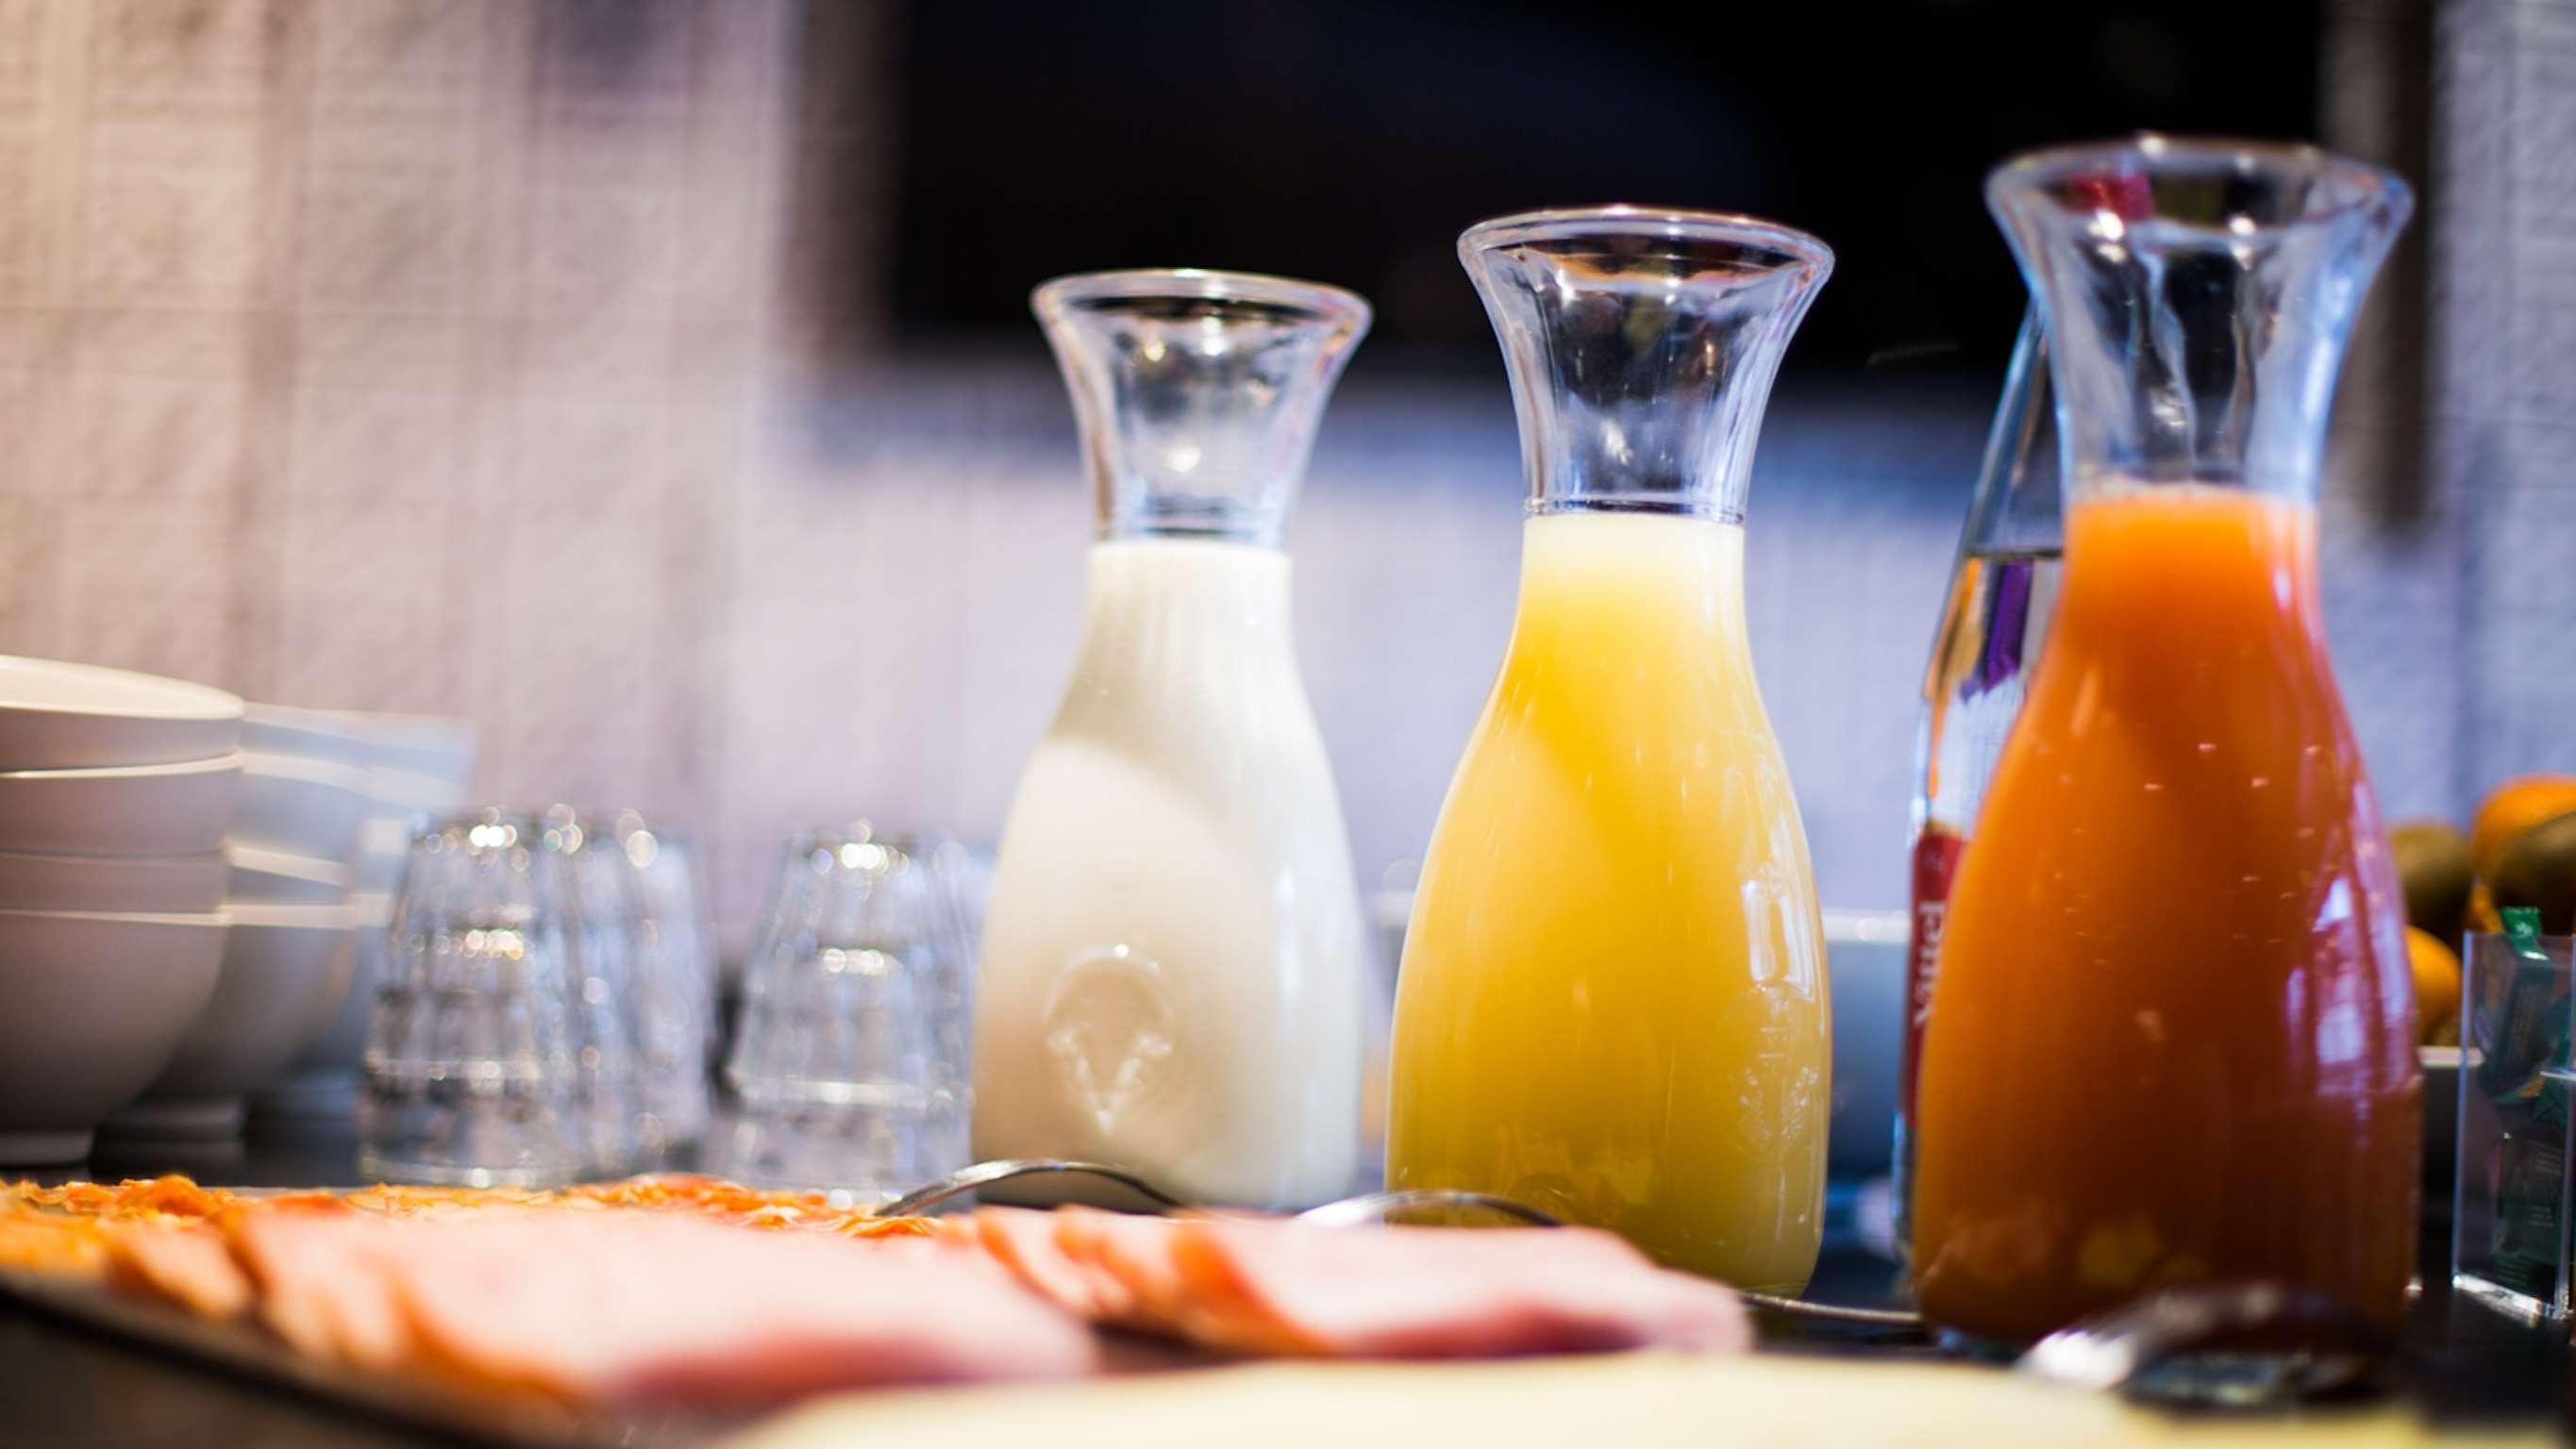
pixel 1612 1003
pixel 2172 1036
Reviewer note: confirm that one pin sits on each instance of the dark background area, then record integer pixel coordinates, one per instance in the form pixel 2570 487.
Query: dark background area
pixel 1350 142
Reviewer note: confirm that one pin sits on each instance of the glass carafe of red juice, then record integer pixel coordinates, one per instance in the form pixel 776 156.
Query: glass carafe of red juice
pixel 2172 1035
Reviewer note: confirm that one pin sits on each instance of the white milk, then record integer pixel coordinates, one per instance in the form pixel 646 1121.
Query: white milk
pixel 1172 959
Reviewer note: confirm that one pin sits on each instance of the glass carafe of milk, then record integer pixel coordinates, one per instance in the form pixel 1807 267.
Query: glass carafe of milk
pixel 1173 959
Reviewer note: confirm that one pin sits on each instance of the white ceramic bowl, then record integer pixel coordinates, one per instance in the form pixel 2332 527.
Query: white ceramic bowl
pixel 96 1005
pixel 122 810
pixel 312 808
pixel 413 797
pixel 421 744
pixel 322 1084
pixel 274 878
pixel 58 716
pixel 313 734
pixel 284 976
pixel 168 885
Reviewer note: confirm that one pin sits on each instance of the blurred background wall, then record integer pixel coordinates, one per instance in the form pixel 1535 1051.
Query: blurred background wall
pixel 649 380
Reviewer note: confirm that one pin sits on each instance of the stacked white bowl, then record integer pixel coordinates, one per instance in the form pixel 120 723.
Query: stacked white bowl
pixel 287 961
pixel 115 790
pixel 417 770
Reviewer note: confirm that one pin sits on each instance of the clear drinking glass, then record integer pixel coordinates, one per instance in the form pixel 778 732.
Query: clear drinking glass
pixel 2172 1038
pixel 958 878
pixel 599 909
pixel 470 1059
pixel 674 977
pixel 2003 591
pixel 832 1067
pixel 1613 1002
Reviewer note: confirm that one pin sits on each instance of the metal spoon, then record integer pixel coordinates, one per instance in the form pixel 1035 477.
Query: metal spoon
pixel 1348 1212
pixel 1371 1207
pixel 2146 1345
pixel 985 1174
pixel 1904 1322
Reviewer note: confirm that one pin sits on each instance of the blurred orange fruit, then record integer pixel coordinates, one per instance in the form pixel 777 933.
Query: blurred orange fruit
pixel 2437 982
pixel 2512 808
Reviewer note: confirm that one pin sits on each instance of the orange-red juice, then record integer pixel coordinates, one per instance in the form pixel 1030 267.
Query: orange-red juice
pixel 2172 1038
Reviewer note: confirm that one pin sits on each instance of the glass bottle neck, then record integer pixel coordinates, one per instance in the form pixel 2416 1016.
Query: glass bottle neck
pixel 1641 347
pixel 1197 394
pixel 2197 297
pixel 1141 513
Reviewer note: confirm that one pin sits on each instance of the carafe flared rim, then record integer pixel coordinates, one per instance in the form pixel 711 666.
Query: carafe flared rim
pixel 2355 188
pixel 1750 241
pixel 1132 287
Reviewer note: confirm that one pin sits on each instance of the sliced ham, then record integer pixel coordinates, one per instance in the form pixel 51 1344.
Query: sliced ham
pixel 1272 1287
pixel 1264 1286
pixel 191 1266
pixel 1131 1257
pixel 1024 1241
pixel 663 1293
pixel 648 1308
pixel 324 1281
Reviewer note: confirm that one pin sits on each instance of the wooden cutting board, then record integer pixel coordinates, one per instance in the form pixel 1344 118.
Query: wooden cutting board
pixel 1592 1403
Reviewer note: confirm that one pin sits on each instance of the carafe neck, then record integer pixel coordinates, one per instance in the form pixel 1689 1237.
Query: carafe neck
pixel 2197 296
pixel 1642 347
pixel 1197 394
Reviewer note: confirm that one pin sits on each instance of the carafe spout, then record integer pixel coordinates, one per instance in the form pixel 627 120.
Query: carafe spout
pixel 2197 296
pixel 1641 345
pixel 1197 393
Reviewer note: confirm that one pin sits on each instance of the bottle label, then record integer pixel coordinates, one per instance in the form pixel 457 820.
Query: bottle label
pixel 1936 861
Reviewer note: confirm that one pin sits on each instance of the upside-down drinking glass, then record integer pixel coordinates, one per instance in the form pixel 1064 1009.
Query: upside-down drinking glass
pixel 599 926
pixel 674 979
pixel 832 1067
pixel 959 877
pixel 470 1059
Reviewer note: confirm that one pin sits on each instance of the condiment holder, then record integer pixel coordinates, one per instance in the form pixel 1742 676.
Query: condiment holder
pixel 2509 1223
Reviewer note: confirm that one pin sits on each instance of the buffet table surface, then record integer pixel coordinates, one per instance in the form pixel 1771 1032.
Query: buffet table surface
pixel 2465 1369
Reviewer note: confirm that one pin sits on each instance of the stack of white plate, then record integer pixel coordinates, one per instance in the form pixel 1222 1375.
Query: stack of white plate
pixel 417 770
pixel 115 790
pixel 287 964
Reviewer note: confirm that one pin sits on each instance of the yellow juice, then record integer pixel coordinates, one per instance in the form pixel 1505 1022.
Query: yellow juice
pixel 1613 1000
